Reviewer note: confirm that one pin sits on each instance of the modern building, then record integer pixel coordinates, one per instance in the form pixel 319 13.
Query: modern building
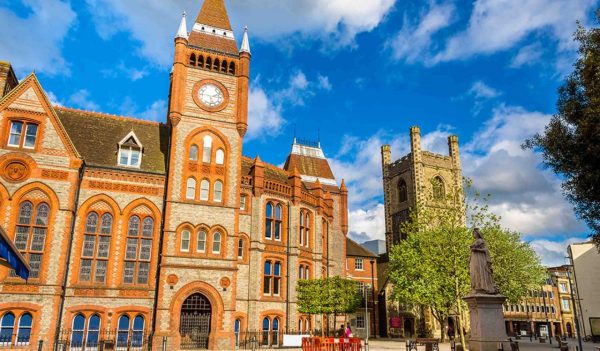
pixel 138 232
pixel 420 178
pixel 361 266
pixel 540 313
pixel 586 274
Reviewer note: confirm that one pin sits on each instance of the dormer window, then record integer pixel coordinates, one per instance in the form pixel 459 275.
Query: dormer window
pixel 130 151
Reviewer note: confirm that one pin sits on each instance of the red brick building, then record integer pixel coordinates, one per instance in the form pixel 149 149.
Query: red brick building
pixel 137 231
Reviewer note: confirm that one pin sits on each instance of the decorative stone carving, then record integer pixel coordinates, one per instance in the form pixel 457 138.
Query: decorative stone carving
pixel 482 280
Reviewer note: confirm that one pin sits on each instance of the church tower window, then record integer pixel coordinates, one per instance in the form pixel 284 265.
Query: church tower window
pixel 402 191
pixel 438 188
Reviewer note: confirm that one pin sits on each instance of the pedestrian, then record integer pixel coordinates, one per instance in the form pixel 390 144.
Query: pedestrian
pixel 348 331
pixel 342 331
pixel 451 332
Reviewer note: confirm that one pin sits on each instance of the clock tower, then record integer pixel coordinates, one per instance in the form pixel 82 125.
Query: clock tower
pixel 208 108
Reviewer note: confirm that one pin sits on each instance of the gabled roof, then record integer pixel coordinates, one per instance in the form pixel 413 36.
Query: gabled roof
pixel 311 163
pixel 97 136
pixel 354 249
pixel 214 13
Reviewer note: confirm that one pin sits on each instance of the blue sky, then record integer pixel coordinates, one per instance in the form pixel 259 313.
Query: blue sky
pixel 357 73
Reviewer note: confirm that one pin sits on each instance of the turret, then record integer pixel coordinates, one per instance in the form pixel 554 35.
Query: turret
pixel 344 207
pixel 243 83
pixel 179 73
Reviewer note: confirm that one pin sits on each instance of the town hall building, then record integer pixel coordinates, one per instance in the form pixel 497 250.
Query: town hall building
pixel 134 232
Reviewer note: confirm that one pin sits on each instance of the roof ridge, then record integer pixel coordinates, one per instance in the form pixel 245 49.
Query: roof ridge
pixel 269 165
pixel 108 115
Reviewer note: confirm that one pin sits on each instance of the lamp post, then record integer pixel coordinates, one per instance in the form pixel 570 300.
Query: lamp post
pixel 577 329
pixel 547 322
pixel 373 296
pixel 367 286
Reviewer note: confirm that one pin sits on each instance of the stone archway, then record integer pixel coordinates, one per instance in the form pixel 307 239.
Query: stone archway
pixel 194 322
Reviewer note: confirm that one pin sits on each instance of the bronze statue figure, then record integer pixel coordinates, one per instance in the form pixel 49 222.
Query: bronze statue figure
pixel 480 265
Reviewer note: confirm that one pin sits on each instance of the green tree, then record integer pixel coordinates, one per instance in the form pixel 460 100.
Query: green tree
pixel 431 266
pixel 333 295
pixel 570 143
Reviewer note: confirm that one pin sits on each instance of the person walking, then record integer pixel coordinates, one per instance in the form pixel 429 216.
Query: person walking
pixel 348 331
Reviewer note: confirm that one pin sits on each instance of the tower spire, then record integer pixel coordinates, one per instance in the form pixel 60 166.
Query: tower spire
pixel 245 42
pixel 214 14
pixel 182 31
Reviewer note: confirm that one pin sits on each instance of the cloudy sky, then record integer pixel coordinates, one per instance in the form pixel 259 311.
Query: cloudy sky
pixel 358 73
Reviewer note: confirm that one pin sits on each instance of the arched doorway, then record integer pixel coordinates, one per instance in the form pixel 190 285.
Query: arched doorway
pixel 569 330
pixel 408 328
pixel 194 325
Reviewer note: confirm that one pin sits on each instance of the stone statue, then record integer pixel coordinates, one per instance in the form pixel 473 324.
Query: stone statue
pixel 482 281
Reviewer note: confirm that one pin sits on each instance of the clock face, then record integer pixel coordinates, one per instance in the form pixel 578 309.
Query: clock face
pixel 210 95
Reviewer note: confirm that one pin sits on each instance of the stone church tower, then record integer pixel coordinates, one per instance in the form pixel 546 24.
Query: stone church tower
pixel 416 179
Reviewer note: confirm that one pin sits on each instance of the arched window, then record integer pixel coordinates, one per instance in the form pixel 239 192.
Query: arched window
pixel 30 234
pixel 24 331
pixel 190 192
pixel 216 65
pixel 193 153
pixel 77 331
pixel 220 157
pixel 208 63
pixel 304 228
pixel 301 272
pixel 438 188
pixel 200 61
pixel 275 336
pixel 232 68
pixel 224 66
pixel 193 60
pixel 96 248
pixel 185 241
pixel 138 251
pixel 240 252
pixel 402 191
pixel 123 332
pixel 301 234
pixel 137 334
pixel 7 326
pixel 201 244
pixel 266 327
pixel 268 221
pixel 307 231
pixel 204 190
pixel 218 195
pixel 237 326
pixel 278 221
pixel 93 332
pixel 207 149
pixel 216 244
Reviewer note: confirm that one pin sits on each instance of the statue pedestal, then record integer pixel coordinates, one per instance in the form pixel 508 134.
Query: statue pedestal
pixel 487 322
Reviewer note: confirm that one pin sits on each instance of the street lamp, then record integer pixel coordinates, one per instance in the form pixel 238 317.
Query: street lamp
pixel 547 322
pixel 367 287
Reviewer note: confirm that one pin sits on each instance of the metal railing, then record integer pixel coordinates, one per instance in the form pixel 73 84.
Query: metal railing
pixel 94 340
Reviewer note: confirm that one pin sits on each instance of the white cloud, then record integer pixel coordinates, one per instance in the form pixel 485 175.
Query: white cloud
pixel 527 55
pixel 493 26
pixel 263 115
pixel 335 22
pixel 499 25
pixel 265 109
pixel 526 196
pixel 132 73
pixel 480 90
pixel 553 253
pixel 415 39
pixel 367 224
pixel 156 111
pixel 81 99
pixel 34 42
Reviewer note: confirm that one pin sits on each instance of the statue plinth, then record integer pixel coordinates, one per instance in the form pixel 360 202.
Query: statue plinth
pixel 487 322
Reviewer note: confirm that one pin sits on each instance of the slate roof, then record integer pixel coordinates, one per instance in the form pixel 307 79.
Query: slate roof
pixel 310 166
pixel 354 249
pixel 214 13
pixel 213 42
pixel 96 137
pixel 272 172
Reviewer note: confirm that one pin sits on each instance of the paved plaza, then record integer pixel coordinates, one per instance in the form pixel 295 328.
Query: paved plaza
pixel 524 345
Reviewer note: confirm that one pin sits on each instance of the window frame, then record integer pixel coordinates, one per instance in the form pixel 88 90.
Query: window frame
pixel 138 261
pixel 359 264
pixel 28 251
pixel 25 124
pixel 97 235
pixel 272 280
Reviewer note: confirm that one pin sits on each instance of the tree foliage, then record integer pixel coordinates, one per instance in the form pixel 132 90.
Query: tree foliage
pixel 570 143
pixel 431 266
pixel 333 295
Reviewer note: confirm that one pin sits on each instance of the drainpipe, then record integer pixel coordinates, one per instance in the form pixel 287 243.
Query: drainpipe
pixel 162 234
pixel 69 251
pixel 287 271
